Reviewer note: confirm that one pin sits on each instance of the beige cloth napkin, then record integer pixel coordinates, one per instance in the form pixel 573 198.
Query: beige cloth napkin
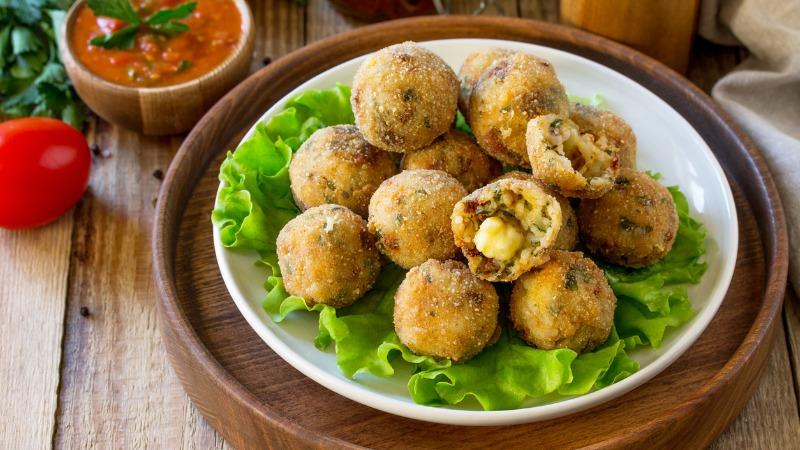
pixel 763 92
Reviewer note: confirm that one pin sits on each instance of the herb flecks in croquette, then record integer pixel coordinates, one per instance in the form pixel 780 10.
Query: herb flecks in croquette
pixel 414 222
pixel 404 97
pixel 633 225
pixel 337 165
pixel 443 310
pixel 566 303
pixel 505 235
pixel 340 268
pixel 577 164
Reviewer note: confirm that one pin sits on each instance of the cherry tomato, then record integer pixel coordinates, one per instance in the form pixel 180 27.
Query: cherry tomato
pixel 44 169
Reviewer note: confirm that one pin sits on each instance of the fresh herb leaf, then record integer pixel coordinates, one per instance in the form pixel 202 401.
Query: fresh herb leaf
pixel 183 65
pixel 116 9
pixel 162 22
pixel 165 16
pixel 124 38
pixel 32 79
pixel 170 28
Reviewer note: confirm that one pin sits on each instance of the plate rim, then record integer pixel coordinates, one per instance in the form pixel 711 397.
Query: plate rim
pixel 452 416
pixel 192 360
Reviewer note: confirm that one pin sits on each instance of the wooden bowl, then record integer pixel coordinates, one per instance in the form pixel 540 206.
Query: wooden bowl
pixel 158 110
pixel 256 400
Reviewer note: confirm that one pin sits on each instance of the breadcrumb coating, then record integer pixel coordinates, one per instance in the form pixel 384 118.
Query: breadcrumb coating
pixel 404 97
pixel 443 310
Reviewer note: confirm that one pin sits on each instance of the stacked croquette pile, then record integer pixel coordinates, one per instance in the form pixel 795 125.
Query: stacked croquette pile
pixel 403 186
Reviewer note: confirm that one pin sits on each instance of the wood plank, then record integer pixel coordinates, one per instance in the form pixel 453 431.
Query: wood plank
pixel 509 7
pixel 791 313
pixel 33 287
pixel 323 20
pixel 546 10
pixel 280 28
pixel 118 389
pixel 770 419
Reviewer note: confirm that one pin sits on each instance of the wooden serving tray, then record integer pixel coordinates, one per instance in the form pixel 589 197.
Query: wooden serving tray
pixel 256 400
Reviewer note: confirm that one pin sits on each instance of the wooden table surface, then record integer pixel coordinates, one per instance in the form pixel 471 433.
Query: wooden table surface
pixel 102 380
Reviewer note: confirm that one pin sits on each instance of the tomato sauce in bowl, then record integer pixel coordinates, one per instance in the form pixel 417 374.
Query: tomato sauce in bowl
pixel 215 30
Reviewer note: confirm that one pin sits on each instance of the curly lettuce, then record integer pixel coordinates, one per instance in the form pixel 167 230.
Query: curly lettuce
pixel 255 202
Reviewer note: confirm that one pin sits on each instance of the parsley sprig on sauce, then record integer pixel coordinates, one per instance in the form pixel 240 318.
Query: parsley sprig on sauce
pixel 163 22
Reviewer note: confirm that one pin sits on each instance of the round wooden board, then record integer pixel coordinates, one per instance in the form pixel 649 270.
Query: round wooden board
pixel 256 400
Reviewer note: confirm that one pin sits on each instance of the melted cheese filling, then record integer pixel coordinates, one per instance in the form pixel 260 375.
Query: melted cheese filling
pixel 499 239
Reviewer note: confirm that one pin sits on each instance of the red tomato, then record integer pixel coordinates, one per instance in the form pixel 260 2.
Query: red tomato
pixel 44 169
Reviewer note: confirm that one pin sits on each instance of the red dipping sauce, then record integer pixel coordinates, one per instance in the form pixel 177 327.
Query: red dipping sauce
pixel 215 30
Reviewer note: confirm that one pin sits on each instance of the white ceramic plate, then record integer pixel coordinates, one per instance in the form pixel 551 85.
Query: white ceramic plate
pixel 667 144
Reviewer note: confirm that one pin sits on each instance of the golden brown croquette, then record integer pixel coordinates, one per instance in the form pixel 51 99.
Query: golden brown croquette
pixel 326 255
pixel 404 97
pixel 457 154
pixel 410 216
pixel 574 164
pixel 566 303
pixel 510 92
pixel 442 310
pixel 634 225
pixel 337 165
pixel 506 228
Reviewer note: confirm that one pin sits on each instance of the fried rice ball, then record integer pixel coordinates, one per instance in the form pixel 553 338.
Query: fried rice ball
pixel 457 154
pixel 567 238
pixel 404 97
pixel 442 310
pixel 337 165
pixel 410 216
pixel 506 228
pixel 605 125
pixel 510 92
pixel 634 225
pixel 471 70
pixel 566 303
pixel 574 164
pixel 326 255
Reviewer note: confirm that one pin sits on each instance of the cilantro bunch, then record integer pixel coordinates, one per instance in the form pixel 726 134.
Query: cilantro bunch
pixel 33 81
pixel 164 22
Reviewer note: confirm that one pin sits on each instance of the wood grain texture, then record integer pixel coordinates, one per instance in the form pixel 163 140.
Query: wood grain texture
pixel 508 7
pixel 33 284
pixel 663 29
pixel 323 20
pixel 792 320
pixel 773 408
pixel 114 392
pixel 220 360
pixel 34 273
pixel 546 10
pixel 161 110
pixel 118 389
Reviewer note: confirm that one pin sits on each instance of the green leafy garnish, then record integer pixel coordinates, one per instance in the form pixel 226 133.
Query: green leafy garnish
pixel 651 299
pixel 164 21
pixel 33 81
pixel 596 100
pixel 255 202
pixel 116 9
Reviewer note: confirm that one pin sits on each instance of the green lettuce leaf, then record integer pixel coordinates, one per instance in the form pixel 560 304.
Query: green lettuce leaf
pixel 255 202
pixel 655 297
pixel 596 100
